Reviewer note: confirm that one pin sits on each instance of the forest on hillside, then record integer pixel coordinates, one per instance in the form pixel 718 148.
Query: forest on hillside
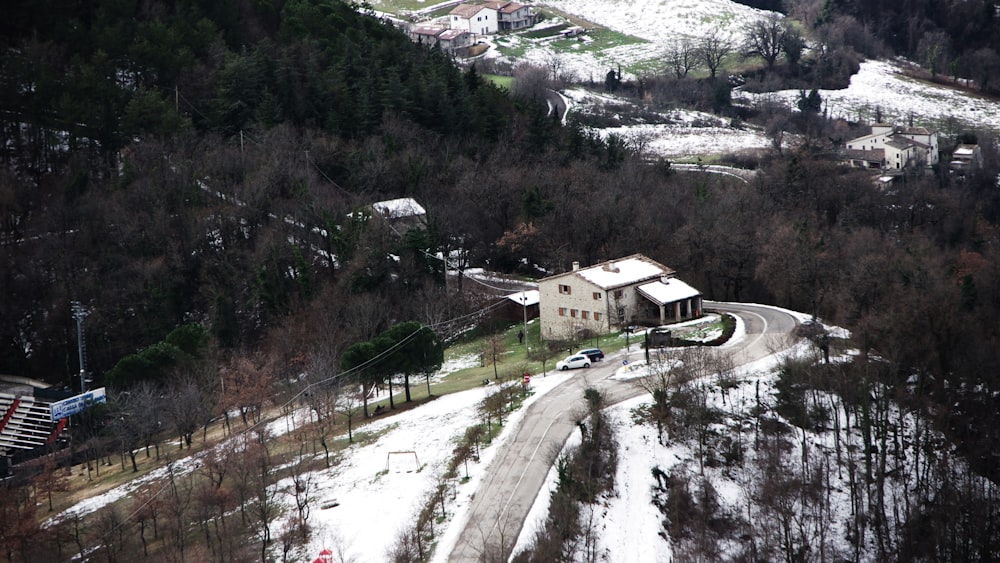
pixel 954 39
pixel 172 164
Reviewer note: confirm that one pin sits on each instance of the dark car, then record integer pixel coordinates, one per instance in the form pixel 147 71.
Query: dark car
pixel 595 354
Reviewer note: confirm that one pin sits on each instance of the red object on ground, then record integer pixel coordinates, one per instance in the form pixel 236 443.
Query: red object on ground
pixel 56 431
pixel 10 412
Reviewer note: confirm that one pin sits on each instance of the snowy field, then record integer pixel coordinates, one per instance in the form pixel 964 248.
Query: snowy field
pixel 882 85
pixel 372 494
pixel 677 135
pixel 654 23
pixel 658 23
pixel 379 495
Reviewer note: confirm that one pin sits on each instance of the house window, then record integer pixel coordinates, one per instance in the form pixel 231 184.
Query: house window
pixel 597 316
pixel 597 295
pixel 572 313
pixel 562 311
pixel 584 315
pixel 618 294
pixel 564 289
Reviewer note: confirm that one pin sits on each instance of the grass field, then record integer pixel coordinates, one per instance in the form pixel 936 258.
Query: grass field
pixel 502 81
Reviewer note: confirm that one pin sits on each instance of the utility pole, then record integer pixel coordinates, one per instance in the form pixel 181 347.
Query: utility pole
pixel 79 313
pixel 308 163
pixel 524 308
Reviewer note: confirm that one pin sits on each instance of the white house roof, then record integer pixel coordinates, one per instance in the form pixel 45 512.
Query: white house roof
pixel 526 298
pixel 668 291
pixel 399 208
pixel 624 271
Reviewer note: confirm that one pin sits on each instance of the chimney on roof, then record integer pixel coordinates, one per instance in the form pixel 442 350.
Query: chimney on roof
pixel 576 265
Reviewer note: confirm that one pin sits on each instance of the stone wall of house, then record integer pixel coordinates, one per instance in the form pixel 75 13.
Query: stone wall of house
pixel 563 314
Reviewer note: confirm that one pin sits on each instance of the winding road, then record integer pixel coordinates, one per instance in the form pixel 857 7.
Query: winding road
pixel 513 479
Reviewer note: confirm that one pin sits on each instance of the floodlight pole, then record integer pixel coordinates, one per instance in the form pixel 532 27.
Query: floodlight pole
pixel 80 313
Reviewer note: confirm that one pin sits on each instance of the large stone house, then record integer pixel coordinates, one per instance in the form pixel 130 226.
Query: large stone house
pixel 890 147
pixel 614 294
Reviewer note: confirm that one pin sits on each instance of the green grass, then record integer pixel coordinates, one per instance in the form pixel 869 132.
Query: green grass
pixel 502 81
pixel 601 39
pixel 508 48
pixel 397 6
pixel 546 32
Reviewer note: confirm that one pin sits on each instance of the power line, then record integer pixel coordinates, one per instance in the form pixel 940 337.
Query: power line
pixel 372 361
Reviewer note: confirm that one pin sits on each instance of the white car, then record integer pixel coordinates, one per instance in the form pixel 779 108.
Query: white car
pixel 573 362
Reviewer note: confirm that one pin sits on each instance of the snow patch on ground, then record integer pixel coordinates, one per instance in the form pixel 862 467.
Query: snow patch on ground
pixel 882 86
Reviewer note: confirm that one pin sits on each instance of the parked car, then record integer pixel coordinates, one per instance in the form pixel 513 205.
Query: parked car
pixel 595 354
pixel 573 362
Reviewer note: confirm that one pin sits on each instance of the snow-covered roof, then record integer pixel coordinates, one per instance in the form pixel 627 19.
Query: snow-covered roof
pixel 526 298
pixel 965 150
pixel 452 34
pixel 433 31
pixel 399 208
pixel 668 291
pixel 623 271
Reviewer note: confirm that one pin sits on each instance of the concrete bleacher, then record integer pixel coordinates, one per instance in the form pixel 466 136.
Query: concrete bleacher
pixel 28 424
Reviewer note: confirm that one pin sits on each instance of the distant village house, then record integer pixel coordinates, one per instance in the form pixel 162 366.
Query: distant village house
pixel 402 214
pixel 890 147
pixel 512 16
pixel 965 158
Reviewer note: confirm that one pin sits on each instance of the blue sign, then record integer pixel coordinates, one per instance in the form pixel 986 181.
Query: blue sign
pixel 76 404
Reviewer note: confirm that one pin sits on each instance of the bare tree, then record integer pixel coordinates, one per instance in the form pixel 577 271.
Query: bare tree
pixel 682 57
pixel 52 479
pixel 662 376
pixel 530 81
pixel 492 349
pixel 323 394
pixel 187 410
pixel 712 50
pixel 247 387
pixel 766 38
